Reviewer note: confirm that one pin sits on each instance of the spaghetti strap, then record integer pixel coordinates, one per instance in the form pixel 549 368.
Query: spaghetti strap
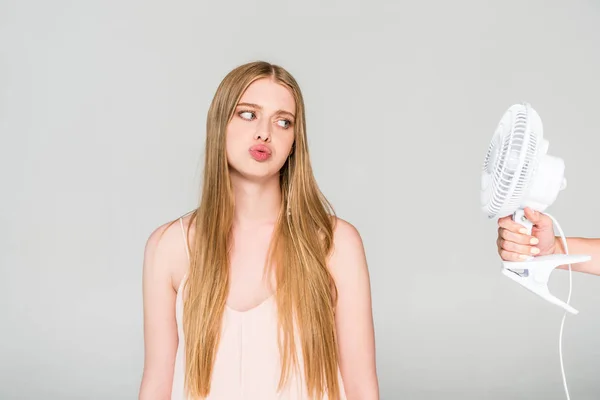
pixel 185 241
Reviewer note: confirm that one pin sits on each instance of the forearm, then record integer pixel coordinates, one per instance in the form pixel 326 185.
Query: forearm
pixel 578 245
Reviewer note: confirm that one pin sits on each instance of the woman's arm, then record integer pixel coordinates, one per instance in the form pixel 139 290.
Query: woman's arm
pixel 160 329
pixel 578 245
pixel 354 317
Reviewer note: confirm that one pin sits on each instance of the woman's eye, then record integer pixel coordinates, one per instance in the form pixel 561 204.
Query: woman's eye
pixel 249 115
pixel 285 122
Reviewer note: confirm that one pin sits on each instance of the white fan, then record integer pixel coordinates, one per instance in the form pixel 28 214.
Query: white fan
pixel 518 173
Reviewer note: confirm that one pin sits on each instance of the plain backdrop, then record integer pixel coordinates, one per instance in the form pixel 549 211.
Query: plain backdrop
pixel 102 120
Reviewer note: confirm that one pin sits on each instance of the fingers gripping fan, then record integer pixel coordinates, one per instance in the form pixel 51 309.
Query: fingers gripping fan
pixel 518 173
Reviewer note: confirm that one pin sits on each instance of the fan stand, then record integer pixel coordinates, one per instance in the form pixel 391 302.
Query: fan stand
pixel 534 273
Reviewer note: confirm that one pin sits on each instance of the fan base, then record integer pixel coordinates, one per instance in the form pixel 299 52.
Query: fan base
pixel 534 274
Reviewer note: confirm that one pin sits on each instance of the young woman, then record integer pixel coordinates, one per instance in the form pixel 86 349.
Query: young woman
pixel 261 292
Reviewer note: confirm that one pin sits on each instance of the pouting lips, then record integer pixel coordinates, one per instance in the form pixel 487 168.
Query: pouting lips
pixel 260 148
pixel 260 152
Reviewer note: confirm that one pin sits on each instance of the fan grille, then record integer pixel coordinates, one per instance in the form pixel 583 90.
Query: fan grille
pixel 510 163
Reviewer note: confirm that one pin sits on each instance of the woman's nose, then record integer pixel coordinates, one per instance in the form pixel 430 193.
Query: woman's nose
pixel 263 132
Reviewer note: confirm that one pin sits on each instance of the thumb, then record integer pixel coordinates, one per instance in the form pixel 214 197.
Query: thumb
pixel 537 218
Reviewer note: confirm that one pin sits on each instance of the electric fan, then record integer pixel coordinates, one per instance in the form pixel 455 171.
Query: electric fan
pixel 518 173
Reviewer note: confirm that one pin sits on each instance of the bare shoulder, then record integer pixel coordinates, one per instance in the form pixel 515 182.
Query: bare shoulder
pixel 348 251
pixel 165 251
pixel 345 233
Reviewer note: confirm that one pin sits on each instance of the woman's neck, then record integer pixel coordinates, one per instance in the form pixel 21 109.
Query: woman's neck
pixel 256 203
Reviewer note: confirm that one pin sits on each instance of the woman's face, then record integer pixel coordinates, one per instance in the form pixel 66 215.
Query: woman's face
pixel 261 133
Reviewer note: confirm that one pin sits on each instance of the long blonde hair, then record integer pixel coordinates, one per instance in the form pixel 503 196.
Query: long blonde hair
pixel 301 242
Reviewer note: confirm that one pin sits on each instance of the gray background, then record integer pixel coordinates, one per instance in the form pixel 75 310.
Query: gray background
pixel 102 113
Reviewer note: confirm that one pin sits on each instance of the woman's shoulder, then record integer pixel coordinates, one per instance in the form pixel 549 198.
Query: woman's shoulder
pixel 345 234
pixel 348 248
pixel 165 251
pixel 348 266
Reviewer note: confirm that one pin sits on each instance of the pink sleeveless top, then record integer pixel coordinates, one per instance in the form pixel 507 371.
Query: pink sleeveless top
pixel 247 364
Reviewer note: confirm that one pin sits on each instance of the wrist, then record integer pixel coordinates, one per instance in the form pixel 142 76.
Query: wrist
pixel 558 246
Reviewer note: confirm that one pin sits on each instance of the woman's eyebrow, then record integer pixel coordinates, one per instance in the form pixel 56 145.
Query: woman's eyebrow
pixel 260 108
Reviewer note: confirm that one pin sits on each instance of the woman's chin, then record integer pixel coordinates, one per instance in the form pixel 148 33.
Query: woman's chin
pixel 260 173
